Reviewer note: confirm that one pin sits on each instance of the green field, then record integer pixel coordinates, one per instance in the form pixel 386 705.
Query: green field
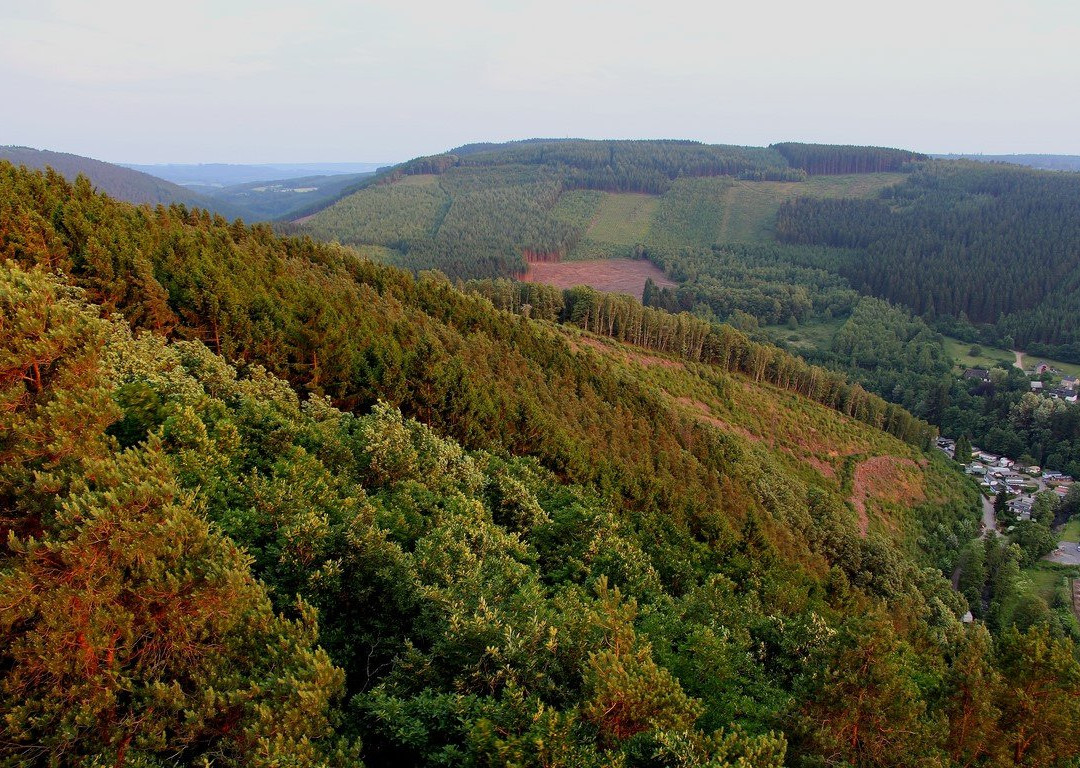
pixel 991 356
pixel 1041 579
pixel 691 213
pixel 1070 531
pixel 623 218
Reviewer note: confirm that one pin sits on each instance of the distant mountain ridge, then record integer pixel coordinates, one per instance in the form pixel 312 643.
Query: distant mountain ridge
pixel 1040 161
pixel 231 174
pixel 116 181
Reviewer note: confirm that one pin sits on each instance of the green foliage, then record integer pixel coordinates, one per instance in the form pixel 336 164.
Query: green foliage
pixel 834 159
pixel 923 242
pixel 520 549
pixel 962 450
pixel 130 629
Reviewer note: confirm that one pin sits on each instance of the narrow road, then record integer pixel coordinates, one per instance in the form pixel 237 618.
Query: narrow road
pixel 1019 360
pixel 989 519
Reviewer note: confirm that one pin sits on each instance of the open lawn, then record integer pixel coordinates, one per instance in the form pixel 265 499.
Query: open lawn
pixel 1042 580
pixel 610 275
pixel 1070 531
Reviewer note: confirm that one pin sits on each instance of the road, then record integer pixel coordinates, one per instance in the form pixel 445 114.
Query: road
pixel 989 519
pixel 1019 360
pixel 1066 554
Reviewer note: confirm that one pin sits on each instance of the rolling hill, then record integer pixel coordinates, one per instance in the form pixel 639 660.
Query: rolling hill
pixel 355 514
pixel 115 180
pixel 286 198
pixel 484 211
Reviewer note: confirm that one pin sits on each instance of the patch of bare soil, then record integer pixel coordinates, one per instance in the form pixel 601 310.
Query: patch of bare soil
pixel 608 275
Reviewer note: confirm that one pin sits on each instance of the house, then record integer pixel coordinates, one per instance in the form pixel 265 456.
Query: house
pixel 1004 462
pixel 1036 386
pixel 988 458
pixel 1021 508
pixel 1042 368
pixel 977 374
pixel 1034 471
pixel 976 469
pixel 1071 383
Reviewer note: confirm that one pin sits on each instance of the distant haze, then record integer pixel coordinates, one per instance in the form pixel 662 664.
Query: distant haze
pixel 225 174
pixel 380 81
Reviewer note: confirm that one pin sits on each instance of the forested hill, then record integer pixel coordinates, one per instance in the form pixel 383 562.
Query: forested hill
pixel 984 244
pixel 515 543
pixel 479 211
pixel 115 180
pixel 1042 162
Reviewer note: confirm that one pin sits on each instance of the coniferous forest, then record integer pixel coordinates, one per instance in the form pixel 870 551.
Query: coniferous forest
pixel 264 501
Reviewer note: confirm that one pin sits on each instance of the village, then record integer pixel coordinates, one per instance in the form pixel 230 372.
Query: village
pixel 1045 381
pixel 1020 483
pixel 1000 473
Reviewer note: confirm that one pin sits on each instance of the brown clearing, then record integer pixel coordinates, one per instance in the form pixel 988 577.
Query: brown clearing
pixel 608 275
pixel 886 478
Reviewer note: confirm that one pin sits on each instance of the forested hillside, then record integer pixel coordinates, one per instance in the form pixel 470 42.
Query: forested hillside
pixel 486 210
pixel 836 159
pixel 264 502
pixel 984 244
pixel 115 180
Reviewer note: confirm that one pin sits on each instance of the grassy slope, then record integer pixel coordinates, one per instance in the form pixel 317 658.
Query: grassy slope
pixel 702 211
pixel 623 218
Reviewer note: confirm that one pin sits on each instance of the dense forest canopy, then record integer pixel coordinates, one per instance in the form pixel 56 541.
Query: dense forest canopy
pixel 499 541
pixel 983 244
pixel 818 159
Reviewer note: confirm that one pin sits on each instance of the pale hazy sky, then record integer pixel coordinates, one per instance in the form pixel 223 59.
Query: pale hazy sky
pixel 263 81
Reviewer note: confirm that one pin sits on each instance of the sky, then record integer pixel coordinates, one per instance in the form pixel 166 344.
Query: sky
pixel 381 81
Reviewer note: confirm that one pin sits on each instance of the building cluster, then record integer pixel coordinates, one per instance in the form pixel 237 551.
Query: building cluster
pixel 1067 389
pixel 1000 473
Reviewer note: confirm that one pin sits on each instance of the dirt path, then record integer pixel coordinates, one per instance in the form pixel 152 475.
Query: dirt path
pixel 1019 360
pixel 989 519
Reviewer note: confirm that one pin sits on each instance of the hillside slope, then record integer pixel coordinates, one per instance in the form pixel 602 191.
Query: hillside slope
pixel 489 210
pixel 581 552
pixel 116 180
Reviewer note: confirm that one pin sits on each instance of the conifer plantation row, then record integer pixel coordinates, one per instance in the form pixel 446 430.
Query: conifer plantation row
pixel 266 502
